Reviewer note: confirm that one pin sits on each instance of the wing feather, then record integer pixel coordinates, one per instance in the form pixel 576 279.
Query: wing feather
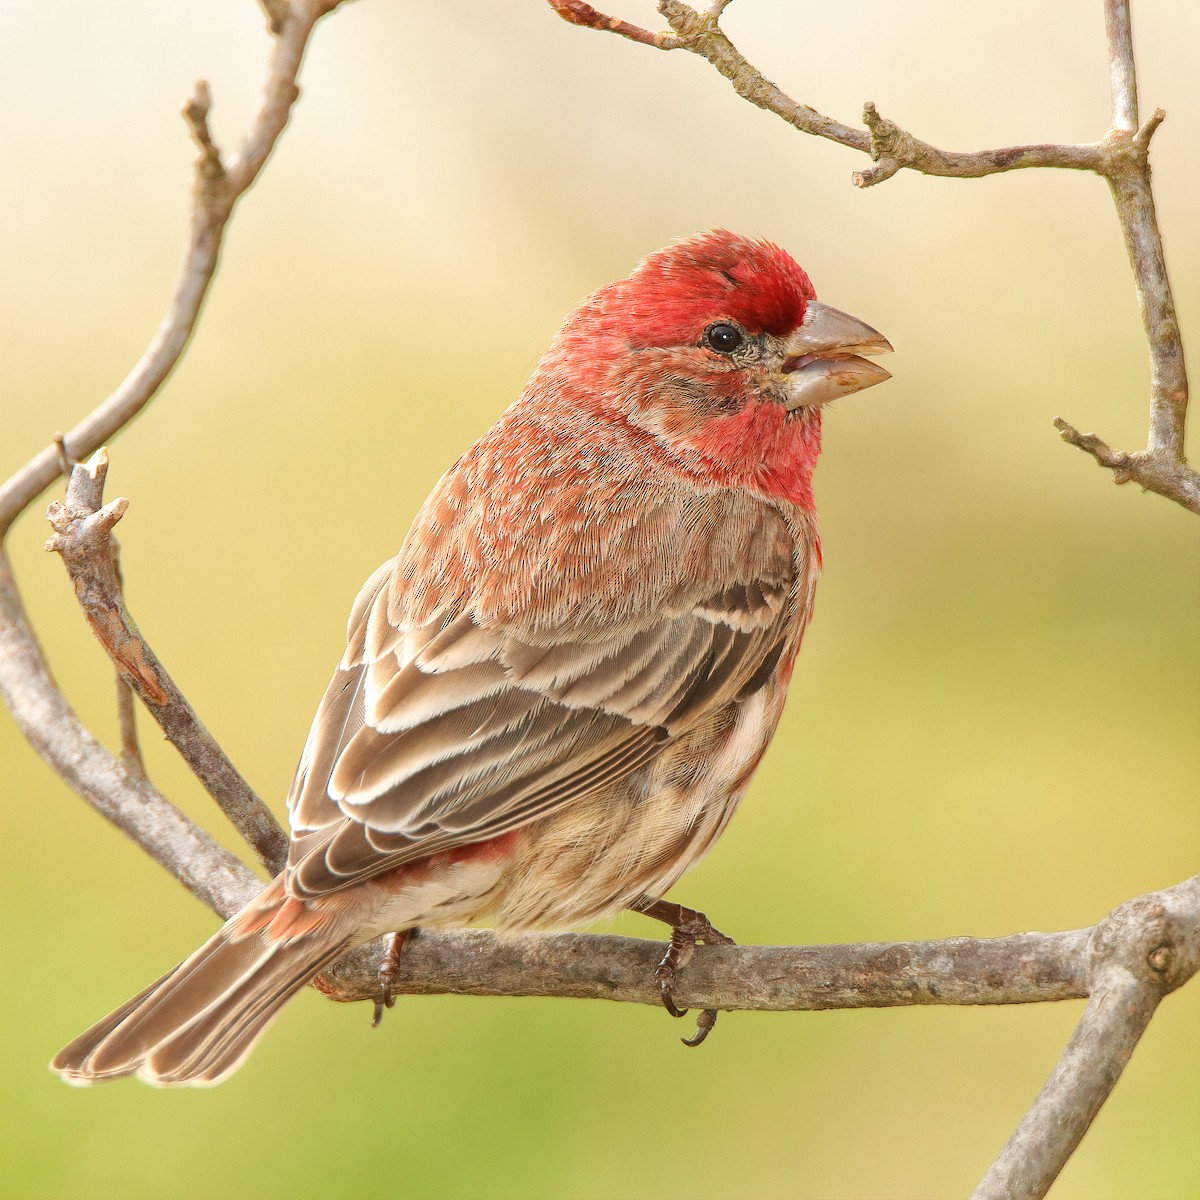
pixel 452 720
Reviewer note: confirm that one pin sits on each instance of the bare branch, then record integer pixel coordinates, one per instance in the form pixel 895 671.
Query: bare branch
pixel 1121 70
pixel 576 12
pixel 1134 200
pixel 204 867
pixel 81 536
pixel 1162 466
pixel 889 145
pixel 1144 949
pixel 1021 969
pixel 1154 472
pixel 218 187
pixel 1121 157
pixel 26 685
pixel 895 149
pixel 276 12
pixel 131 752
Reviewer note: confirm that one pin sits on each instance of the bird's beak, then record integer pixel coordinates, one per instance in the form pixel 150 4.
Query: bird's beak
pixel 824 357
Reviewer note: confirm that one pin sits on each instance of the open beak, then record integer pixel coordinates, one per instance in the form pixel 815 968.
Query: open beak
pixel 825 357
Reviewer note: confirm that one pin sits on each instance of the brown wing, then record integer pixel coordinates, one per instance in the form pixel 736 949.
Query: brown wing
pixel 462 710
pixel 459 733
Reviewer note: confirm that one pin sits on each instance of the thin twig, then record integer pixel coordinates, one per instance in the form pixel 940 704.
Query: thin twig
pixel 576 12
pixel 889 145
pixel 1134 200
pixel 218 187
pixel 1155 472
pixel 199 862
pixel 1122 157
pixel 1121 70
pixel 81 536
pixel 1162 466
pixel 28 690
pixel 1143 950
pixel 131 750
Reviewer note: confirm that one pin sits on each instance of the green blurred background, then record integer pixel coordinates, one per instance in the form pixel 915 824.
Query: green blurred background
pixel 994 722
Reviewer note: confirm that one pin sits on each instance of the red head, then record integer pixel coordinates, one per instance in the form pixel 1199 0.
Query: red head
pixel 717 347
pixel 674 294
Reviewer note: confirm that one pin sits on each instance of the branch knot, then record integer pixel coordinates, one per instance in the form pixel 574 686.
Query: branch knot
pixel 1152 937
pixel 210 170
pixel 891 147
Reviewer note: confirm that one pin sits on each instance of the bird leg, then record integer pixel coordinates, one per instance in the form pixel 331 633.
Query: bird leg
pixel 687 928
pixel 388 970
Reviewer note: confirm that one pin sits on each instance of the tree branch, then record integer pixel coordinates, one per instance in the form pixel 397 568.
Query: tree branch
pixel 1162 466
pixel 1143 950
pixel 1122 73
pixel 887 144
pixel 1021 969
pixel 82 536
pixel 217 189
pixel 135 806
pixel 26 685
pixel 1122 157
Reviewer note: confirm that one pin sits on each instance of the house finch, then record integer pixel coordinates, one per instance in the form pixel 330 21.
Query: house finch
pixel 554 697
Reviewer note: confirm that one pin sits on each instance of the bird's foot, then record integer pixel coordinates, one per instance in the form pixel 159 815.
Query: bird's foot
pixel 688 927
pixel 388 970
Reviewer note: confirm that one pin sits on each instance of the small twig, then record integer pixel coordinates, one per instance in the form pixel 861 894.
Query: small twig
pixel 210 170
pixel 896 149
pixel 1162 466
pixel 1121 157
pixel 1154 472
pixel 576 12
pixel 65 461
pixel 81 536
pixel 1122 72
pixel 218 187
pixel 131 751
pixel 1139 953
pixel 277 13
pixel 198 861
pixel 893 148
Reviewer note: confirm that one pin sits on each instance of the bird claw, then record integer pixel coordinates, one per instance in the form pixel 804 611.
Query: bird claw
pixel 688 927
pixel 386 1000
pixel 704 1023
pixel 389 968
pixel 665 976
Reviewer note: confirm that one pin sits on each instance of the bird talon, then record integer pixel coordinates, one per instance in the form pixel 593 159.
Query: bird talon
pixel 388 970
pixel 687 928
pixel 704 1023
pixel 664 991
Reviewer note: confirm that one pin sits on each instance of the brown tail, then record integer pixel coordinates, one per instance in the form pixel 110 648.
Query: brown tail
pixel 197 1023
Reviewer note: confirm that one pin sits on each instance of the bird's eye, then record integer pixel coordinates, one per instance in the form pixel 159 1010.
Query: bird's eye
pixel 723 337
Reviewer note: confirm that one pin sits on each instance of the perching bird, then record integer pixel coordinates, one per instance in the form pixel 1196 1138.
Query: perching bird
pixel 554 697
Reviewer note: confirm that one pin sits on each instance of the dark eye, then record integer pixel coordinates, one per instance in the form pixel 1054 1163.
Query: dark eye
pixel 723 337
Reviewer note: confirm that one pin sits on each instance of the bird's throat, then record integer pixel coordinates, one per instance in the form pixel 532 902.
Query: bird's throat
pixel 763 448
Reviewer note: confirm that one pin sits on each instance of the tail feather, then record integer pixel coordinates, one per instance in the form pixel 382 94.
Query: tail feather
pixel 207 1050
pixel 197 1023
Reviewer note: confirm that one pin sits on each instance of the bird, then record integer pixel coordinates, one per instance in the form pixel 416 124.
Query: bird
pixel 553 698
